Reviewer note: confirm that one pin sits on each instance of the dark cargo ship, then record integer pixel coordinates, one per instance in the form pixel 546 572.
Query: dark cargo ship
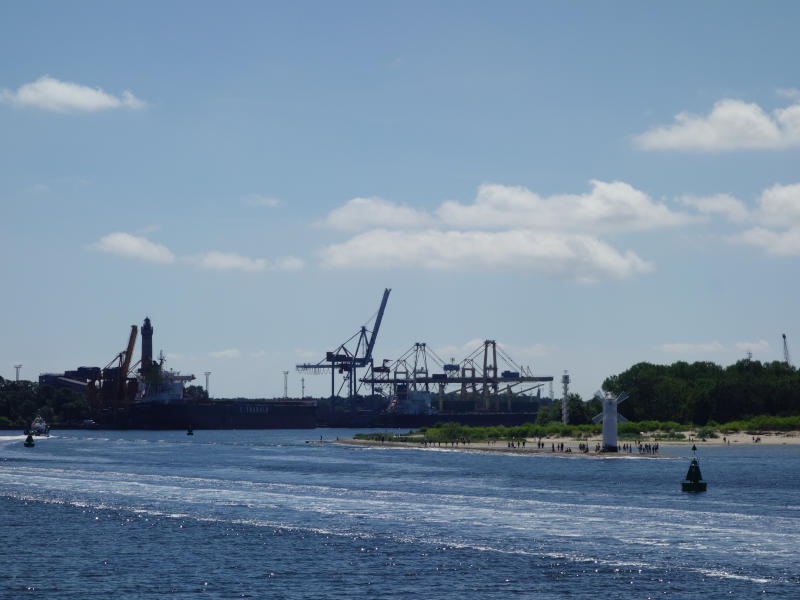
pixel 224 414
pixel 160 402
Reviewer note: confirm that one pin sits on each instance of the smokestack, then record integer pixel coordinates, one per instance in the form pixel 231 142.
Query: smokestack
pixel 147 345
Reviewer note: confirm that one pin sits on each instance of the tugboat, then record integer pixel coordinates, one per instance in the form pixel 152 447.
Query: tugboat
pixel 694 480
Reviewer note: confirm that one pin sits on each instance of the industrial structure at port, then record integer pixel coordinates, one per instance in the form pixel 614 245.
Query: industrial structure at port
pixel 145 394
pixel 483 388
pixel 487 387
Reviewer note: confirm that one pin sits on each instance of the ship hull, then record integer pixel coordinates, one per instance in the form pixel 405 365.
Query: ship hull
pixel 223 415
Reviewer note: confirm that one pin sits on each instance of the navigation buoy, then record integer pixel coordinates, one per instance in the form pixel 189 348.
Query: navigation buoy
pixel 694 479
pixel 190 431
pixel 29 443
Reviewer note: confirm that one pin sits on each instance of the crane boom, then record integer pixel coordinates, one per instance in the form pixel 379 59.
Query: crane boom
pixel 128 353
pixel 371 345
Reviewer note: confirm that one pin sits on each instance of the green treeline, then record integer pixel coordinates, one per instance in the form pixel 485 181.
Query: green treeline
pixel 21 401
pixel 701 392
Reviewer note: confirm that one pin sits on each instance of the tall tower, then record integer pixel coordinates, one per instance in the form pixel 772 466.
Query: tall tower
pixel 147 345
pixel 564 411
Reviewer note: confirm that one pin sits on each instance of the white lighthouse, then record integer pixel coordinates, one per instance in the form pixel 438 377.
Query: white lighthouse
pixel 610 418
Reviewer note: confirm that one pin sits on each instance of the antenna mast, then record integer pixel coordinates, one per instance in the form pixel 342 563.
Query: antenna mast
pixel 786 352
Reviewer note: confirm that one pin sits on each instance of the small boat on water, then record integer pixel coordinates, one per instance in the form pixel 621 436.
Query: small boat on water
pixel 39 427
pixel 29 443
pixel 694 479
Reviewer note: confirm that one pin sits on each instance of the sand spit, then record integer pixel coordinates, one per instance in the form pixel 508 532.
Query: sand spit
pixel 570 446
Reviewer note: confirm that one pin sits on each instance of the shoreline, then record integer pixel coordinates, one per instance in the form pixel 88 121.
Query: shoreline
pixel 790 438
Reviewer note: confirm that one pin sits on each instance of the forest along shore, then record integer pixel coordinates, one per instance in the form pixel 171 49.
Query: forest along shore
pixel 651 447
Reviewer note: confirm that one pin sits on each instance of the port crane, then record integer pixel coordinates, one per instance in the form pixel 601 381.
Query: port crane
pixel 478 375
pixel 109 389
pixel 347 361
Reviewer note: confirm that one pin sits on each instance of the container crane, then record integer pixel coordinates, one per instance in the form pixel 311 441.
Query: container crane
pixel 346 361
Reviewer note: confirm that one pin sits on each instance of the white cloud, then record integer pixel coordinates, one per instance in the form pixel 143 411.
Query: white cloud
pixel 774 243
pixel 230 353
pixel 731 125
pixel 719 204
pixel 259 200
pixel 779 205
pixel 48 93
pixel 365 213
pixel 579 257
pixel 129 246
pixel 609 207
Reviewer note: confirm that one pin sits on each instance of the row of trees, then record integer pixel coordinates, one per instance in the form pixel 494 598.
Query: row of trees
pixel 21 401
pixel 702 391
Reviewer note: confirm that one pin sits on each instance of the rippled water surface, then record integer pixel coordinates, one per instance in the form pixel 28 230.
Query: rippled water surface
pixel 263 514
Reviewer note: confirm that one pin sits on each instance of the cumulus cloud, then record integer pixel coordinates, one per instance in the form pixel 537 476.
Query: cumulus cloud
pixel 578 257
pixel 719 204
pixel 731 125
pixel 609 207
pixel 779 205
pixel 48 93
pixel 779 214
pixel 365 213
pixel 130 246
pixel 229 353
pixel 139 247
pixel 774 243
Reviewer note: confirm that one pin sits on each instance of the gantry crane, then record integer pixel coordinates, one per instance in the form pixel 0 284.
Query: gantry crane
pixel 347 361
pixel 478 375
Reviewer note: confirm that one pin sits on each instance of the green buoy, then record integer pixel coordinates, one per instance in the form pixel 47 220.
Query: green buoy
pixel 190 431
pixel 29 443
pixel 694 479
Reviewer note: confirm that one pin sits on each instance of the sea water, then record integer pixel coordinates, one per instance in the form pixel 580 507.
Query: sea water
pixel 276 514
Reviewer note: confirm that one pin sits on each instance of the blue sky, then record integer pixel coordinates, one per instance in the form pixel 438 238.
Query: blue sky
pixel 590 184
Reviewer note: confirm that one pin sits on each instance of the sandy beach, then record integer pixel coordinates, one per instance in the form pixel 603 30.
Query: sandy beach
pixel 553 445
